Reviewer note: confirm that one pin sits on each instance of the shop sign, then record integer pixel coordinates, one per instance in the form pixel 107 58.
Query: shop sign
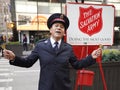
pixel 32 22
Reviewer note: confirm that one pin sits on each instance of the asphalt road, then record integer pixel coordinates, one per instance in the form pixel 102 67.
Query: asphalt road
pixel 17 78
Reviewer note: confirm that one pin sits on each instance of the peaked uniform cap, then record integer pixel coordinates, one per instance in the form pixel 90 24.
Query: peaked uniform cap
pixel 58 17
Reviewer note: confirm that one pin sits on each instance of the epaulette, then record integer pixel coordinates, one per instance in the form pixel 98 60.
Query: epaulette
pixel 41 40
pixel 69 44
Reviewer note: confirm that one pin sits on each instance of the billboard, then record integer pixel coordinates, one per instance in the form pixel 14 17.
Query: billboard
pixel 90 24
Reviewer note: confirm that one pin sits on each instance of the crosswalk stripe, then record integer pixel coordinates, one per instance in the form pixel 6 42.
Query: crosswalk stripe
pixel 6 88
pixel 26 71
pixel 4 66
pixel 5 74
pixel 4 69
pixel 6 80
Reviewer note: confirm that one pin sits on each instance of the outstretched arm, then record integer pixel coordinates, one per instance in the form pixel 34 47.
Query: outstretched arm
pixel 8 54
pixel 85 62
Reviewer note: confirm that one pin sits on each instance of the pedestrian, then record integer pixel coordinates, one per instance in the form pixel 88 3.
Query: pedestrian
pixel 32 41
pixel 1 45
pixel 25 46
pixel 54 74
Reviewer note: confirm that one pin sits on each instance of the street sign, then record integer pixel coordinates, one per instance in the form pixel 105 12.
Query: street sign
pixel 90 24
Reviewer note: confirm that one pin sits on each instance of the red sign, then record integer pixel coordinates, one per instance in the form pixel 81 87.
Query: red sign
pixel 90 20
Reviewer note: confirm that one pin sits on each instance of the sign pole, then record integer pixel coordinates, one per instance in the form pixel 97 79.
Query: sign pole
pixel 78 72
pixel 101 71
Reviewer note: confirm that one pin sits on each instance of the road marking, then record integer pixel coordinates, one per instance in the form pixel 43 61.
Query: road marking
pixel 4 66
pixel 4 62
pixel 5 74
pixel 4 69
pixel 27 71
pixel 6 88
pixel 6 80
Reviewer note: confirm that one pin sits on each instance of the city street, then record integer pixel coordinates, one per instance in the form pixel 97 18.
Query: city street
pixel 17 78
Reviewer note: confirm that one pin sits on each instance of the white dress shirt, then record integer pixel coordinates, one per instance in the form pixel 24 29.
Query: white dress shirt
pixel 53 42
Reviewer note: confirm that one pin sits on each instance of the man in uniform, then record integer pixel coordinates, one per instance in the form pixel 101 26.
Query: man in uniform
pixel 54 55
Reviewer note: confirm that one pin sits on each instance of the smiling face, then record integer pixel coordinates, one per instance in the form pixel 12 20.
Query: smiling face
pixel 57 31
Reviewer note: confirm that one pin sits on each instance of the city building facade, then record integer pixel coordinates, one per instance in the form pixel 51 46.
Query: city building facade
pixel 31 16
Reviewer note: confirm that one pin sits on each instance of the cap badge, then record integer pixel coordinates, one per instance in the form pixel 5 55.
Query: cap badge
pixel 61 16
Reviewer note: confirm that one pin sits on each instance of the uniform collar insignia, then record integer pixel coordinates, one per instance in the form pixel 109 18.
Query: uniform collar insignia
pixel 46 41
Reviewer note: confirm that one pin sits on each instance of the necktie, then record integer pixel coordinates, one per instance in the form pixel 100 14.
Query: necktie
pixel 56 47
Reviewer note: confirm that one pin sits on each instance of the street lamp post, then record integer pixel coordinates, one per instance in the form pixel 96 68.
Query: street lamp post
pixel 6 29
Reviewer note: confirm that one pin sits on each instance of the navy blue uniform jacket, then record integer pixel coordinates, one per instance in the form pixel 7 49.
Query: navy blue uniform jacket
pixel 54 74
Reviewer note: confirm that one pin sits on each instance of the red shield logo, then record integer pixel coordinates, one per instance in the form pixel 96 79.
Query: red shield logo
pixel 90 20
